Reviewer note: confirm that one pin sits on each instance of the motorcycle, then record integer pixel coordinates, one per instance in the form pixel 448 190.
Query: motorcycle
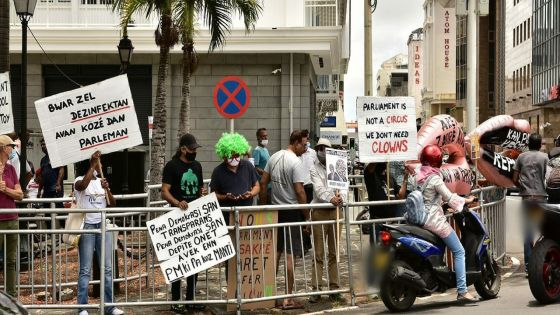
pixel 410 260
pixel 544 263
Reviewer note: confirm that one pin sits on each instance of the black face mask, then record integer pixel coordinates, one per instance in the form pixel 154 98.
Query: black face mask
pixel 190 156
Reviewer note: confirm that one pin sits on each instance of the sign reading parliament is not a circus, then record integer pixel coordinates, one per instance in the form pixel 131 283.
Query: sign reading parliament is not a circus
pixel 79 122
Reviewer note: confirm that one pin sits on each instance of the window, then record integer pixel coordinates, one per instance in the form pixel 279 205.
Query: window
pixel 513 81
pixel 513 41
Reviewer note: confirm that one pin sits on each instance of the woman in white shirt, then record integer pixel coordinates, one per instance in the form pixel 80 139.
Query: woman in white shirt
pixel 93 192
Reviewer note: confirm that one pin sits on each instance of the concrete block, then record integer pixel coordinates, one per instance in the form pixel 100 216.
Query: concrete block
pixel 269 59
pixel 202 91
pixel 269 80
pixel 141 59
pixel 300 58
pixel 81 59
pixel 175 58
pixel 206 80
pixel 233 59
pixel 203 69
pixel 268 102
pixel 259 69
pixel 202 101
pixel 108 59
pixel 264 91
pixel 225 70
pixel 34 69
pixel 212 59
pixel 35 91
pixel 59 59
pixel 34 80
pixel 277 90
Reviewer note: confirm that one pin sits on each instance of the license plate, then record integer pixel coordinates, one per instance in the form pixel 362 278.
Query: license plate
pixel 381 259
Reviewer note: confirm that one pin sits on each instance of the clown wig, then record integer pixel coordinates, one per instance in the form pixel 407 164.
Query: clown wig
pixel 230 144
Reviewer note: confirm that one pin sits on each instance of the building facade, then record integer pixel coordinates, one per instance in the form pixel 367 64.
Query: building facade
pixel 295 45
pixel 415 70
pixel 438 93
pixel 546 69
pixel 392 77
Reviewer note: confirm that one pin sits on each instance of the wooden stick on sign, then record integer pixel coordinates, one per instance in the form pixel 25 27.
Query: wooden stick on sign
pixel 388 182
pixel 102 176
pixel 337 230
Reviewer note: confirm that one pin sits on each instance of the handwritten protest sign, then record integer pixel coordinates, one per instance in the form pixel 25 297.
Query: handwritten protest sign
pixel 386 129
pixel 257 249
pixel 191 241
pixel 337 169
pixel 77 123
pixel 6 116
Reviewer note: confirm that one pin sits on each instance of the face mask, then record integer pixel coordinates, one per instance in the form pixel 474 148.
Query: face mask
pixel 233 161
pixel 322 157
pixel 190 156
pixel 12 155
pixel 264 142
pixel 308 145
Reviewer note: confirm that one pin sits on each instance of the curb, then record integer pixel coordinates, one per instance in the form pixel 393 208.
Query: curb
pixel 514 267
pixel 337 310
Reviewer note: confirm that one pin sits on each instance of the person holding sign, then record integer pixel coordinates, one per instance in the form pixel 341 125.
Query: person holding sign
pixel 93 192
pixel 182 183
pixel 10 191
pixel 323 194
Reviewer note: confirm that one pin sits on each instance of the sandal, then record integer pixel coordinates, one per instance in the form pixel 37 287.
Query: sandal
pixel 292 305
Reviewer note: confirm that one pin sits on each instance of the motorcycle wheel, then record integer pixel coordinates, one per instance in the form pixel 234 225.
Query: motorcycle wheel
pixel 490 280
pixel 544 271
pixel 397 296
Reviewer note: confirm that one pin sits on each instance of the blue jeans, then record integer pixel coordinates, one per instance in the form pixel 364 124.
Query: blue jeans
pixel 88 244
pixel 454 244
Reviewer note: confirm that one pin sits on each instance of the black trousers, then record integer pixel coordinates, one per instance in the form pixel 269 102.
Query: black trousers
pixel 191 288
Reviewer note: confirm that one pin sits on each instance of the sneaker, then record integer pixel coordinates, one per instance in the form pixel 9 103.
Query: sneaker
pixel 117 311
pixel 466 298
pixel 84 312
pixel 178 308
pixel 314 299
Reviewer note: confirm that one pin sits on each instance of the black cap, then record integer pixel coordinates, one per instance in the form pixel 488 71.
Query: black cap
pixel 189 141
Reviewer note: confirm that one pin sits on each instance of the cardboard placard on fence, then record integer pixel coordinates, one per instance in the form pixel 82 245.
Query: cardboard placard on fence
pixel 337 169
pixel 6 115
pixel 79 122
pixel 191 240
pixel 386 129
pixel 257 251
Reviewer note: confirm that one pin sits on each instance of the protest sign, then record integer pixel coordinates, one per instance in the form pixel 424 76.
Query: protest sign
pixel 191 240
pixel 6 116
pixel 335 137
pixel 257 249
pixel 386 129
pixel 337 169
pixel 79 122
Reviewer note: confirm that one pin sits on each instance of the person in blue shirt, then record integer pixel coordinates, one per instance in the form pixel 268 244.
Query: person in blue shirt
pixel 260 154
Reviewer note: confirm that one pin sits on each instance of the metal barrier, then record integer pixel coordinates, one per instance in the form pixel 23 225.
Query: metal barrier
pixel 53 265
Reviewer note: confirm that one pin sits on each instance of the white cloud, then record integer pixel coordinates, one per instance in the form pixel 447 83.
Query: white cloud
pixel 392 23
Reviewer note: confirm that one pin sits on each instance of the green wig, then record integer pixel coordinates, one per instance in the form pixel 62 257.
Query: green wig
pixel 231 143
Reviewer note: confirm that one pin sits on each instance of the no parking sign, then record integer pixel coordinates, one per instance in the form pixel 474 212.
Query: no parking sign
pixel 231 97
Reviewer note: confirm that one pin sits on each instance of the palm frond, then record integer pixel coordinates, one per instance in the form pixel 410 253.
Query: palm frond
pixel 249 10
pixel 216 15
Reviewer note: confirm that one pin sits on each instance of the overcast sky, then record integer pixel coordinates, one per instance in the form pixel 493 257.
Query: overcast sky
pixel 392 23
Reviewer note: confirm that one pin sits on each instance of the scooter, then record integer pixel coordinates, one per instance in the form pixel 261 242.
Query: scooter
pixel 544 264
pixel 410 260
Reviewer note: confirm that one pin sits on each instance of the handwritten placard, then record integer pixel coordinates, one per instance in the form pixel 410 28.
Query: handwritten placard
pixel 337 169
pixel 79 122
pixel 386 129
pixel 6 115
pixel 192 240
pixel 257 251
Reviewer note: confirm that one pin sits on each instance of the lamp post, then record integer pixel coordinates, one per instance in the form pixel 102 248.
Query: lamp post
pixel 125 54
pixel 24 9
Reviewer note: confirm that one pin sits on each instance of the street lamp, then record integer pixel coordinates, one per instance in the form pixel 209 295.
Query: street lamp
pixel 24 9
pixel 125 54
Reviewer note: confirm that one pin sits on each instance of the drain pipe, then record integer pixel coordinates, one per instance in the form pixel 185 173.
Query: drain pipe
pixel 291 109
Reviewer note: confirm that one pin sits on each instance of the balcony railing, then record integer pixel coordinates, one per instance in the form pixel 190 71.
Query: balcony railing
pixel 77 13
pixel 321 13
pixel 327 84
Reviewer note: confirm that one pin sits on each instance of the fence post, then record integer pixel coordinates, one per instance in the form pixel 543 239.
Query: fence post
pixel 349 254
pixel 53 254
pixel 102 265
pixel 238 258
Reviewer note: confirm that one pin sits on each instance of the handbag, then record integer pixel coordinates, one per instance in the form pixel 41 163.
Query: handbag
pixel 75 221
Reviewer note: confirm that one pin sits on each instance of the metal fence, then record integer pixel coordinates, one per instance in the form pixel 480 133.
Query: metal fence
pixel 50 280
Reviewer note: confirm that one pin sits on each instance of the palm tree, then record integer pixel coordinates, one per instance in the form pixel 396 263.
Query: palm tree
pixel 166 36
pixel 217 16
pixel 4 35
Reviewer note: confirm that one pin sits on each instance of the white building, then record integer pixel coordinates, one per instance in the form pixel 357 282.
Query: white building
pixel 438 94
pixel 307 41
pixel 415 69
pixel 392 77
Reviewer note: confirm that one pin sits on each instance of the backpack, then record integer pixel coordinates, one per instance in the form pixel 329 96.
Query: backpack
pixel 415 208
pixel 553 180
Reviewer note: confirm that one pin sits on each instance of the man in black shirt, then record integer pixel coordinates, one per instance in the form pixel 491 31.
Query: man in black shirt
pixel 182 183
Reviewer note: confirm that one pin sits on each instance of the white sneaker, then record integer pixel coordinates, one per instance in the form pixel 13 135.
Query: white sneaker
pixel 117 311
pixel 84 312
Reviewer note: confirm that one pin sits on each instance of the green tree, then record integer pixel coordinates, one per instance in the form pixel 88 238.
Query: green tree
pixel 216 14
pixel 166 36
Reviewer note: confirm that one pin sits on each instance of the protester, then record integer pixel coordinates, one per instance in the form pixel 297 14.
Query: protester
pixel 323 194
pixel 309 157
pixel 553 178
pixel 10 191
pixel 286 173
pixel 260 153
pixel 52 185
pixel 33 186
pixel 182 183
pixel 434 192
pixel 15 156
pixel 529 175
pixel 93 192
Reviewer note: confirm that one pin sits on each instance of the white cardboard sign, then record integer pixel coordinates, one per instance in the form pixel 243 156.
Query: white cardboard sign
pixel 192 240
pixel 386 129
pixel 337 169
pixel 335 137
pixel 6 114
pixel 97 117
